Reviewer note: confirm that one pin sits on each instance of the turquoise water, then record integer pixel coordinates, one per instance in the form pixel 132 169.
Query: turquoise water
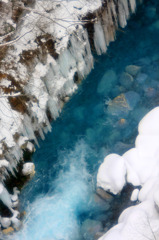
pixel 60 200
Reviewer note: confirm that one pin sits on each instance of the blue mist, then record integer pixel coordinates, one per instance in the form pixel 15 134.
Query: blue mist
pixel 61 196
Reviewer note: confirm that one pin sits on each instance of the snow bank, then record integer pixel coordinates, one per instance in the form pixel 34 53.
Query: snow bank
pixel 142 169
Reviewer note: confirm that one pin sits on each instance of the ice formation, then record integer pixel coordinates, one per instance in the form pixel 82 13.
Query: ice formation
pixel 140 221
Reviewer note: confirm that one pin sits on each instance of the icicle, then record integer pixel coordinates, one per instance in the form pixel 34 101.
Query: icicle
pixel 110 22
pixel 111 25
pixel 66 62
pixel 99 39
pixel 48 125
pixel 12 162
pixel 5 196
pixel 114 13
pixel 6 164
pixel 28 129
pixel 41 133
pixel 88 55
pixel 49 79
pixel 17 152
pixel 53 107
pixel 132 5
pixel 105 23
pixel 122 15
pixel 126 8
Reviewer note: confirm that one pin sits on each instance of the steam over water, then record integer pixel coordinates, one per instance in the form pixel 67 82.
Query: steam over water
pixel 60 201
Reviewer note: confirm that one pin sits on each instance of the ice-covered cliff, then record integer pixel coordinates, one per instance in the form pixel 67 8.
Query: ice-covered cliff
pixel 45 52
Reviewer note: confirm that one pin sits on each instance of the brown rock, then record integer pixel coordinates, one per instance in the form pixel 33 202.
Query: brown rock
pixel 104 195
pixel 8 231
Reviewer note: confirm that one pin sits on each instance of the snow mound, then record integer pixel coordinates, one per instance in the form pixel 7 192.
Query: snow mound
pixel 111 174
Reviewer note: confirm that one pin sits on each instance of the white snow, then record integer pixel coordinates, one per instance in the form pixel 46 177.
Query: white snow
pixel 111 174
pixel 134 195
pixel 142 167
pixel 28 169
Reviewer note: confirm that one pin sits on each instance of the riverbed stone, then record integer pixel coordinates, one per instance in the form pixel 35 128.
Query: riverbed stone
pixel 103 194
pixel 118 106
pixel 154 26
pixel 150 92
pixel 126 80
pixel 150 12
pixel 8 231
pixel 141 78
pixel 90 227
pixel 98 235
pixel 132 99
pixel 108 80
pixel 133 70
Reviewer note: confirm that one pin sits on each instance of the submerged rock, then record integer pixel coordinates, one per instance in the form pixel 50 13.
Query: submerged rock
pixel 126 80
pixel 154 26
pixel 122 104
pixel 133 70
pixel 118 106
pixel 98 235
pixel 132 98
pixel 90 227
pixel 103 194
pixel 141 78
pixel 106 83
pixel 150 12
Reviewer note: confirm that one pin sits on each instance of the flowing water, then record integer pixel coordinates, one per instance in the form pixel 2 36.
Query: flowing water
pixel 60 200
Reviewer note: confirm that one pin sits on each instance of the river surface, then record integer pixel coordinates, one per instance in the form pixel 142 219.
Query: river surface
pixel 60 201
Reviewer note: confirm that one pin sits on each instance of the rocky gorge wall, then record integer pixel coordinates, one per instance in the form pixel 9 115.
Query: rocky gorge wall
pixel 46 50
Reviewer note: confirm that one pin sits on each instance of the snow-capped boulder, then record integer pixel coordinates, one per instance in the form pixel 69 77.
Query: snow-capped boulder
pixel 28 169
pixel 111 174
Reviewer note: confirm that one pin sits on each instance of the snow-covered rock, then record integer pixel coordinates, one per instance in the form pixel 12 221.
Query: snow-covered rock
pixel 134 195
pixel 28 169
pixel 5 222
pixel 16 223
pixel 142 168
pixel 111 174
